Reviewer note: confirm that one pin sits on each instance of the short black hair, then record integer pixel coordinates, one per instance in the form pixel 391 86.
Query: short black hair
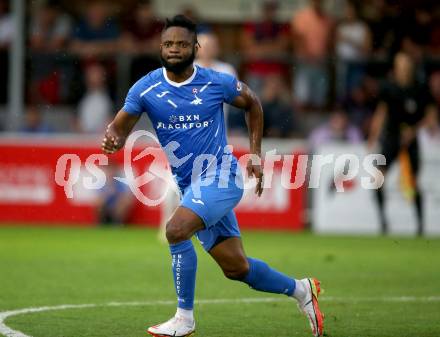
pixel 183 21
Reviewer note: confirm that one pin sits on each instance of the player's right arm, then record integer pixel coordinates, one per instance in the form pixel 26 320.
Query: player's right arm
pixel 118 131
pixel 121 126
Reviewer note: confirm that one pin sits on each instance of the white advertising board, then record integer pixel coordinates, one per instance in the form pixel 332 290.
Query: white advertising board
pixel 355 211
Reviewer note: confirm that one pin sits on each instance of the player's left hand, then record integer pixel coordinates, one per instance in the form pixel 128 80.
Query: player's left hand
pixel 255 170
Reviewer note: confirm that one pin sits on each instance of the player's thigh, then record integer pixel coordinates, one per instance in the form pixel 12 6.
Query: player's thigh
pixel 183 224
pixel 213 203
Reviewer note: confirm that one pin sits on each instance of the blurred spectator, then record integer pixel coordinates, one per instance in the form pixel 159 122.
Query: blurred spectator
pixel 417 33
pixel 191 12
pixel 338 128
pixel 141 38
pixel 264 45
pixel 97 33
pixel 49 29
pixel 208 53
pixel 401 110
pixel 434 42
pixel 95 108
pixel 277 106
pixel 353 46
pixel 357 108
pixel 312 32
pixel 265 42
pixel 6 25
pixel 430 133
pixel 207 57
pixel 434 86
pixel 383 22
pixel 361 103
pixel 33 121
pixel 6 36
pixel 115 200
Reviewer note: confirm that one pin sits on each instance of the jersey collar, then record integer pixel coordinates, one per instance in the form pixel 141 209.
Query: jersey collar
pixel 179 84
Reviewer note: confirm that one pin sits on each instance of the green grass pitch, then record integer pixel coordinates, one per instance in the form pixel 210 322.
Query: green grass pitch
pixel 373 286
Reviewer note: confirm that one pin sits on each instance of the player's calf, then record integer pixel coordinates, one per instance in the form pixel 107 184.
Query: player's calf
pixel 238 271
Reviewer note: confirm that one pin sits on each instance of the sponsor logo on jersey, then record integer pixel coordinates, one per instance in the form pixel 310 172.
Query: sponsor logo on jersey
pixel 184 122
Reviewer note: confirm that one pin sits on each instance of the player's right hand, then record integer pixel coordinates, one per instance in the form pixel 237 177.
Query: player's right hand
pixel 111 143
pixel 256 170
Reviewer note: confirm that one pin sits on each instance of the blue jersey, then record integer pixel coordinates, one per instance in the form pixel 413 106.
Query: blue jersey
pixel 189 113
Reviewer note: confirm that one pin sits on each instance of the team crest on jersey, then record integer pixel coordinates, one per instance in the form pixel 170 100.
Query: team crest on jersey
pixel 196 100
pixel 195 91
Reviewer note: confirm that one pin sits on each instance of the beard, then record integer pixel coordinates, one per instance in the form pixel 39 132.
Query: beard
pixel 181 66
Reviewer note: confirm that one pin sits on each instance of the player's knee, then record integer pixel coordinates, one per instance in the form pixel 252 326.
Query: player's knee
pixel 176 233
pixel 237 272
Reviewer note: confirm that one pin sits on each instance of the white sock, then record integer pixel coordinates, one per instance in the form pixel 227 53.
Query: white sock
pixel 300 291
pixel 187 314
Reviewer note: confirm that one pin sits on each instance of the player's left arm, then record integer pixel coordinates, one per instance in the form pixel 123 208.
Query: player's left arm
pixel 248 101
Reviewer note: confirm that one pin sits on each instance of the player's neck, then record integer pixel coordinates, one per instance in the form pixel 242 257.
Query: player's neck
pixel 180 77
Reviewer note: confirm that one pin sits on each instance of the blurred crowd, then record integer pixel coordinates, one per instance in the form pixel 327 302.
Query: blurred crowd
pixel 318 74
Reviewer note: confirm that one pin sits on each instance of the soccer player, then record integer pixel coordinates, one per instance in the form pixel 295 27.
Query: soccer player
pixel 185 105
pixel 403 105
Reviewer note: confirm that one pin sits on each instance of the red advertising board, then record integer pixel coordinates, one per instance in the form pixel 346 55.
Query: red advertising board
pixel 29 192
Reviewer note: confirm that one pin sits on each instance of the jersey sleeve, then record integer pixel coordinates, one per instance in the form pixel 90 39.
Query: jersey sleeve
pixel 133 104
pixel 231 87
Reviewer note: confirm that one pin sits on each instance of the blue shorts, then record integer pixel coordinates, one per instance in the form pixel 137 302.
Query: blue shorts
pixel 214 205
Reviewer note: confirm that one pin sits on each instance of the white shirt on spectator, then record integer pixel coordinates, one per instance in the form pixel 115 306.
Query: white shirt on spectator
pixel 95 111
pixel 428 138
pixel 223 67
pixel 61 28
pixel 6 30
pixel 347 32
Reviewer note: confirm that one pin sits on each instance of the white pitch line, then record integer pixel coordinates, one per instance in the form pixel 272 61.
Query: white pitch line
pixel 8 332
